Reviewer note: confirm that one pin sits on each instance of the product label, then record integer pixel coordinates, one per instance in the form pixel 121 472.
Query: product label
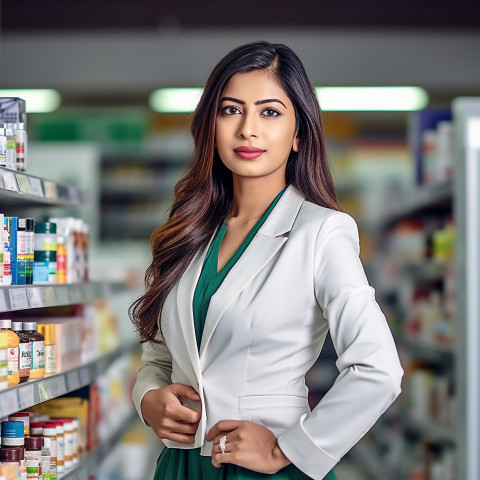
pixel 41 272
pixel 68 445
pixel 21 258
pixel 60 450
pixel 12 442
pixel 52 272
pixel 38 355
pixel 53 449
pixel 13 360
pixel 32 464
pixel 25 359
pixel 20 148
pixel 45 467
pixel 50 246
pixel 3 370
pixel 50 359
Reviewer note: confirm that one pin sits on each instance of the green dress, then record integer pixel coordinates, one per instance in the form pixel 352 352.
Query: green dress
pixel 188 464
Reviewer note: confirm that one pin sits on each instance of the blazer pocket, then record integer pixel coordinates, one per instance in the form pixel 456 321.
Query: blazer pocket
pixel 276 412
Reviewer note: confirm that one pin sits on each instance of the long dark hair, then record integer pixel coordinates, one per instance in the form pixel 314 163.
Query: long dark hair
pixel 202 198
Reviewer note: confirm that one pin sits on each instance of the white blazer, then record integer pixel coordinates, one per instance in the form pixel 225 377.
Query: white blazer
pixel 299 277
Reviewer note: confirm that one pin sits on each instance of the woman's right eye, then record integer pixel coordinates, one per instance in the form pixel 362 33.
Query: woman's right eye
pixel 230 110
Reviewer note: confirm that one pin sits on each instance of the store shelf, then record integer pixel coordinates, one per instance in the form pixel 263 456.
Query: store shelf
pixel 90 462
pixel 17 189
pixel 21 297
pixel 28 394
pixel 427 430
pixel 429 351
pixel 422 200
pixel 368 460
pixel 426 269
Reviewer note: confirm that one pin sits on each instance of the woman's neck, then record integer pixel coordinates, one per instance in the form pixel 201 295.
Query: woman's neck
pixel 252 197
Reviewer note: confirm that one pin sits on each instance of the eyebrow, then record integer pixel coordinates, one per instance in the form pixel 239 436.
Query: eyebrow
pixel 258 102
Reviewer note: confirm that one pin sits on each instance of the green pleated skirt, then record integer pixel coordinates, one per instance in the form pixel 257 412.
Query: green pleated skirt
pixel 183 464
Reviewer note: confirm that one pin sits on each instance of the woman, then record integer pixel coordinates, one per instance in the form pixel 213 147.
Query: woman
pixel 253 267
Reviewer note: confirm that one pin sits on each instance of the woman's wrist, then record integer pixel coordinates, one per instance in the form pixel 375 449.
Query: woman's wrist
pixel 279 457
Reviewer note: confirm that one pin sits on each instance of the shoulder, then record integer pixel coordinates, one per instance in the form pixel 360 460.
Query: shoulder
pixel 322 220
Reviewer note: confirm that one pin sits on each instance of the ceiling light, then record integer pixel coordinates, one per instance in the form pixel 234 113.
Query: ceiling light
pixel 175 100
pixel 373 99
pixel 38 100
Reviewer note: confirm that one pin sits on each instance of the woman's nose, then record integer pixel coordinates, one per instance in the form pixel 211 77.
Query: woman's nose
pixel 248 127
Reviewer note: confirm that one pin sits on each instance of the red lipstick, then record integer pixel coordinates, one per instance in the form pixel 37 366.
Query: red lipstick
pixel 248 153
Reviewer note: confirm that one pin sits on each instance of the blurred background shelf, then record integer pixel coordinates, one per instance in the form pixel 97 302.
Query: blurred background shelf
pixel 21 297
pixel 30 393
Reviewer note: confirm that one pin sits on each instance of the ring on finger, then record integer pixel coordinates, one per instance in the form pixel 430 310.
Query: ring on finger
pixel 223 441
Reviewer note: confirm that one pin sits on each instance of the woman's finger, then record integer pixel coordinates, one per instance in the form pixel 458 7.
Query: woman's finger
pixel 175 437
pixel 181 427
pixel 223 426
pixel 219 458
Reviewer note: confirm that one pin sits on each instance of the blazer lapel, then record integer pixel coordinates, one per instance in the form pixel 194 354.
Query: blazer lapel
pixel 262 248
pixel 185 291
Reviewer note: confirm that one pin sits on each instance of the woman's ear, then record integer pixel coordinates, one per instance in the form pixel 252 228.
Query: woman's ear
pixel 296 141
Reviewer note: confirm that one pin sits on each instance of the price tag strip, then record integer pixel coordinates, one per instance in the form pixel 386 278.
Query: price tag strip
pixel 24 184
pixel 58 385
pixel 18 298
pixel 9 403
pixel 61 293
pixel 73 381
pixel 84 376
pixel 50 189
pixel 27 396
pixel 35 297
pixel 3 301
pixel 45 390
pixel 36 185
pixel 10 181
pixel 49 296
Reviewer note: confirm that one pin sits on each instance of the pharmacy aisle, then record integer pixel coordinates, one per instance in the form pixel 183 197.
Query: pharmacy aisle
pixel 66 370
pixel 425 269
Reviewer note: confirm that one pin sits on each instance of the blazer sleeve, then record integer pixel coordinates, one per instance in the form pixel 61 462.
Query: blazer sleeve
pixel 155 372
pixel 370 372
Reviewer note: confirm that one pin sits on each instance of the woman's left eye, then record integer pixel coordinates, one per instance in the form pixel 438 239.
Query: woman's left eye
pixel 271 112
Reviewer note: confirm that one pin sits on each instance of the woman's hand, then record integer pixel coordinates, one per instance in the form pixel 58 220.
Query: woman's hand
pixel 167 417
pixel 249 445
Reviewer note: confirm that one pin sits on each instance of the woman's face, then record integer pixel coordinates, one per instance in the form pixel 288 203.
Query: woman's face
pixel 255 112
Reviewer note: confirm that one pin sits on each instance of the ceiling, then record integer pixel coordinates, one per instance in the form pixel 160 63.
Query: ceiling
pixel 61 15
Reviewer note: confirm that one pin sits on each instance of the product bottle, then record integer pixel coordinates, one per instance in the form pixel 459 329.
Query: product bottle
pixel 13 435
pixel 46 462
pixel 29 237
pixel 2 247
pixel 50 434
pixel 21 144
pixel 45 255
pixel 3 359
pixel 11 457
pixel 36 429
pixel 24 352
pixel 13 342
pixel 7 267
pixel 68 441
pixel 3 147
pixel 23 417
pixel 61 260
pixel 33 457
pixel 11 146
pixel 37 366
pixel 21 276
pixel 48 331
pixel 60 446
